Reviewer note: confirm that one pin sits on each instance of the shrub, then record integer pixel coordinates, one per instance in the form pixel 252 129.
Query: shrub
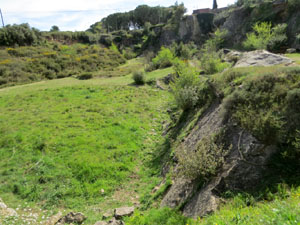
pixel 164 58
pixel 185 86
pixel 258 39
pixel 211 63
pixel 265 37
pixel 278 38
pixel 210 60
pixel 139 77
pixel 203 162
pixel 184 51
pixel 85 76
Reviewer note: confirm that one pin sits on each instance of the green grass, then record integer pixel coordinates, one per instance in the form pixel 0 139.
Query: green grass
pixel 295 57
pixel 235 211
pixel 80 144
pixel 279 211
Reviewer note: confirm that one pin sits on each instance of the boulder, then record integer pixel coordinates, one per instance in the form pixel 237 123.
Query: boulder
pixel 72 218
pixel 262 58
pixel 123 211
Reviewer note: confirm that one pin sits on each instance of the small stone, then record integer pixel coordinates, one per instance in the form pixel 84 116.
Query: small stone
pixel 108 214
pixel 101 223
pixel 114 221
pixel 124 211
pixel 72 218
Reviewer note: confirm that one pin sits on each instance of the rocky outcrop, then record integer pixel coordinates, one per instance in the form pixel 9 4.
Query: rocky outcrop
pixel 243 168
pixel 261 58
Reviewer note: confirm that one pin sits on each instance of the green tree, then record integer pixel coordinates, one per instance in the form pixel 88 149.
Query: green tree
pixel 54 28
pixel 215 5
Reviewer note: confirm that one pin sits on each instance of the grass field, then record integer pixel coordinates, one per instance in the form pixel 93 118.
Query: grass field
pixel 89 145
pixel 70 144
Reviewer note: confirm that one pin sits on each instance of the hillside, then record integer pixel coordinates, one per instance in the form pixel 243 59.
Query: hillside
pixel 173 120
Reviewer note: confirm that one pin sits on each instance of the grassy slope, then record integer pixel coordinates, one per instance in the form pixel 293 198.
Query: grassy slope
pixel 79 144
pixel 283 210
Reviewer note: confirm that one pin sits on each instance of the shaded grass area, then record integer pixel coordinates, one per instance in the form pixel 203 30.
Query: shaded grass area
pixel 68 82
pixel 64 146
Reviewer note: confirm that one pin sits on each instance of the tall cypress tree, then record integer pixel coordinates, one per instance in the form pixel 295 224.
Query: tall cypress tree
pixel 215 5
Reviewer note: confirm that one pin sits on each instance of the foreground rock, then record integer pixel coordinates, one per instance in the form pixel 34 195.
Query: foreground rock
pixel 244 167
pixel 72 217
pixel 262 58
pixel 124 211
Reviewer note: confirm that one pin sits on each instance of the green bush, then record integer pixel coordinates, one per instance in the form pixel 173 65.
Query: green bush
pixel 266 37
pixel 210 59
pixel 185 87
pixel 164 58
pixel 278 38
pixel 184 51
pixel 85 76
pixel 258 39
pixel 139 77
pixel 211 63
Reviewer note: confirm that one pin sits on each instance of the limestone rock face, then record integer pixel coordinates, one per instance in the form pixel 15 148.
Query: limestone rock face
pixel 262 58
pixel 243 168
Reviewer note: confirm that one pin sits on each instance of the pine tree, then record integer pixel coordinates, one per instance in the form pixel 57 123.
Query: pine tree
pixel 215 5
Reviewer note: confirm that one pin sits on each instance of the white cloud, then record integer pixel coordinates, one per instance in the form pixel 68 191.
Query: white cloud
pixel 78 14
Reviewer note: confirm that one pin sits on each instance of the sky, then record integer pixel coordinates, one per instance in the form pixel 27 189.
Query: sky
pixel 78 15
